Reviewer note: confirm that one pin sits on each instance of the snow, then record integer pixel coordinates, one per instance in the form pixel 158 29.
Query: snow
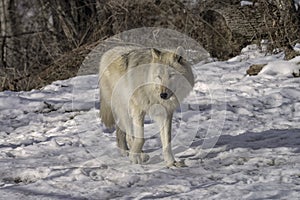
pixel 238 134
pixel 246 3
pixel 297 46
pixel 250 3
pixel 297 4
pixel 282 67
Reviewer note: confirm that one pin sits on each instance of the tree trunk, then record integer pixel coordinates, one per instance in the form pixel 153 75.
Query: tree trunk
pixel 5 31
pixel 73 20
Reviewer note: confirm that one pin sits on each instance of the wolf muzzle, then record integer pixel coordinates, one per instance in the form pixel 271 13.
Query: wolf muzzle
pixel 166 94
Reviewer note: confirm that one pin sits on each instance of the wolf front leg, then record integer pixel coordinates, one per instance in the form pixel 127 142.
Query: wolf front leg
pixel 165 125
pixel 121 141
pixel 136 154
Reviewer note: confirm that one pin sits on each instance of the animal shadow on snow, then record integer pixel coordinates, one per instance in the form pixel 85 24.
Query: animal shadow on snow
pixel 271 139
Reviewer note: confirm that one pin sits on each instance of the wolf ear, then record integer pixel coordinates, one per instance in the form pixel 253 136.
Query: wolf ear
pixel 155 53
pixel 180 51
pixel 180 54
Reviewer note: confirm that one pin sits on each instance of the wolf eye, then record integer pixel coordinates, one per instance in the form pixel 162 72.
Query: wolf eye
pixel 179 60
pixel 172 75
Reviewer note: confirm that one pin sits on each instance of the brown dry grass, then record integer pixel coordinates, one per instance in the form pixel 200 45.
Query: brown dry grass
pixel 207 23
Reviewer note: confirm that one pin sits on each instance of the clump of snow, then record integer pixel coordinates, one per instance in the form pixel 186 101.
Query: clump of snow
pixel 246 3
pixel 297 47
pixel 297 4
pixel 282 67
pixel 249 52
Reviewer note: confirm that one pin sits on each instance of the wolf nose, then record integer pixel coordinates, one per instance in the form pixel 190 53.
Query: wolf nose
pixel 164 95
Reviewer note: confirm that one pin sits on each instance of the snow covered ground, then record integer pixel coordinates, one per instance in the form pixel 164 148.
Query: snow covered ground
pixel 239 136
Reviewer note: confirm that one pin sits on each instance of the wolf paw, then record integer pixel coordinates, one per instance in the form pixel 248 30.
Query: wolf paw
pixel 138 158
pixel 177 164
pixel 124 153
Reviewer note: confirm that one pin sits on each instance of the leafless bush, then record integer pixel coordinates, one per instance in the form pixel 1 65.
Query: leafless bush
pixel 53 31
pixel 281 23
pixel 45 40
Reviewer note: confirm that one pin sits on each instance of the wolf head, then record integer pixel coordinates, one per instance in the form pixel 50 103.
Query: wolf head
pixel 170 72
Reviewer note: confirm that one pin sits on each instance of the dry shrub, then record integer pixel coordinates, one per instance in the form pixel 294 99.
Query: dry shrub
pixel 222 27
pixel 122 15
pixel 115 16
pixel 231 26
pixel 63 68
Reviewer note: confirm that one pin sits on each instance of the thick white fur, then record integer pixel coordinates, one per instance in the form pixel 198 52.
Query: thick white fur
pixel 132 80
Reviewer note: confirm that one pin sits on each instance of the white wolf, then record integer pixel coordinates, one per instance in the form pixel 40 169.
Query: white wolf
pixel 135 81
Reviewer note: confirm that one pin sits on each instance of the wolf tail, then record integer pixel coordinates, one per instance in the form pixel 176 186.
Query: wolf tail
pixel 106 114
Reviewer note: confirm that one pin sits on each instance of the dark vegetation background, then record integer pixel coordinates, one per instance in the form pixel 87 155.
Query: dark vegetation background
pixel 46 40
